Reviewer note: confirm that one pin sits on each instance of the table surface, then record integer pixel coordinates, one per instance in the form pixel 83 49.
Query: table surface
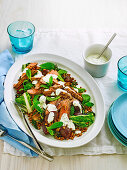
pixel 63 14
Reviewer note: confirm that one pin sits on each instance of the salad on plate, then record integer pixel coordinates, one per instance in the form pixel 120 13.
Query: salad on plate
pixel 54 102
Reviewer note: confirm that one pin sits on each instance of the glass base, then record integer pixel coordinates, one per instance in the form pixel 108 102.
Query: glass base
pixel 121 86
pixel 21 51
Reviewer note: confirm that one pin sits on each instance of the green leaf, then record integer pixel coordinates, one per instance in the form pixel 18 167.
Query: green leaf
pixel 52 98
pixel 80 90
pixel 50 81
pixel 62 72
pixel 36 103
pixel 27 85
pixel 20 100
pixel 86 98
pixel 27 99
pixel 48 66
pixel 23 67
pixel 83 120
pixel 73 84
pixel 55 125
pixel 21 89
pixel 28 73
pixel 60 78
pixel 89 104
pixel 51 132
pixel 34 123
pixel 44 86
pixel 72 110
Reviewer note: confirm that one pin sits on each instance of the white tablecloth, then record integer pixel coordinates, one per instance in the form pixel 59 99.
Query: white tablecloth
pixel 71 45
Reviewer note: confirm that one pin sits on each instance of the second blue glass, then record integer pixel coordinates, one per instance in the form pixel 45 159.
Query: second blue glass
pixel 122 73
pixel 21 34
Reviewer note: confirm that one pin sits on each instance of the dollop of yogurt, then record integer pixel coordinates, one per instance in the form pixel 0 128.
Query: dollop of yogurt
pixel 66 121
pixel 95 60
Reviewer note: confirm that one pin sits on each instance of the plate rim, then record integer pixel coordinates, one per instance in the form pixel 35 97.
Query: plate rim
pixel 47 142
pixel 114 118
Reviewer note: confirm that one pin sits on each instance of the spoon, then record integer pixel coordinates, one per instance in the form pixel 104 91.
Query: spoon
pixel 105 47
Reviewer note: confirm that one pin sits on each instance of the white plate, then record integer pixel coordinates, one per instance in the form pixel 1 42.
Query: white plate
pixel 83 78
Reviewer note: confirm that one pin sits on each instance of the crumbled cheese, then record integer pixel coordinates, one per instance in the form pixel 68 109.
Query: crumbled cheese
pixel 76 103
pixel 47 77
pixel 61 83
pixel 38 75
pixel 52 94
pixel 51 107
pixel 77 131
pixel 50 117
pixel 58 91
pixel 66 121
pixel 34 82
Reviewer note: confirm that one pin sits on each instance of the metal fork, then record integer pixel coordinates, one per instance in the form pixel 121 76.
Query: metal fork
pixel 22 110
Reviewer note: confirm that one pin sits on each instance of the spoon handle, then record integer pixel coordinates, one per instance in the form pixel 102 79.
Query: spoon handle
pixel 113 36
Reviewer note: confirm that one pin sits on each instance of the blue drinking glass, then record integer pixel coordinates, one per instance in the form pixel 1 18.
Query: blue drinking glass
pixel 122 73
pixel 21 34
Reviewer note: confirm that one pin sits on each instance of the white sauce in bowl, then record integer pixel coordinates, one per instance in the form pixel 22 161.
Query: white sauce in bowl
pixel 95 60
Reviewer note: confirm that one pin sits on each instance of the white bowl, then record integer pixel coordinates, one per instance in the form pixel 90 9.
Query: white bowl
pixel 97 70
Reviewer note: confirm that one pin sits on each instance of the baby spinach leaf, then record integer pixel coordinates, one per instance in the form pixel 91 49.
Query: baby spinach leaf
pixel 52 98
pixel 48 66
pixel 28 73
pixel 62 72
pixel 60 78
pixel 89 104
pixel 80 90
pixel 55 125
pixel 50 81
pixel 86 98
pixel 72 110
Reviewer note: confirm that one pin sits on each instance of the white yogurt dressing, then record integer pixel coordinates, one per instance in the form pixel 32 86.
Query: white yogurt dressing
pixel 47 77
pixel 76 103
pixel 66 121
pixel 58 91
pixel 93 59
pixel 38 75
pixel 50 117
pixel 51 107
